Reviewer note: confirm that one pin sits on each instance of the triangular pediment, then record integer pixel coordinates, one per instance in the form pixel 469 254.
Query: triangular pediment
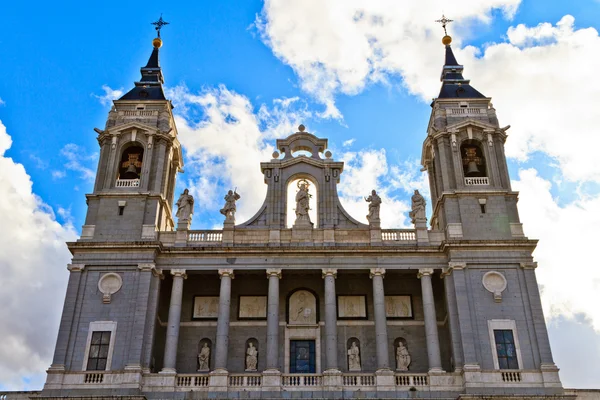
pixel 472 123
pixel 134 125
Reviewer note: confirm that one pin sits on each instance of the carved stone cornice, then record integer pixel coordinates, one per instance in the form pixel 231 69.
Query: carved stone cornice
pixel 274 272
pixel 377 272
pixel 329 271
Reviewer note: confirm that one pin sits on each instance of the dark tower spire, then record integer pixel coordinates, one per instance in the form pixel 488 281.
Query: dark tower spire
pixel 150 85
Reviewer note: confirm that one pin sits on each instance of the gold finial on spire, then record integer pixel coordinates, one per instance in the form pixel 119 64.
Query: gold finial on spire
pixel 157 42
pixel 447 39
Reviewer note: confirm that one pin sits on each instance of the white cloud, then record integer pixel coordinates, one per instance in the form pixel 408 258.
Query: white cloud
pixel 225 148
pixel 56 174
pixel 340 46
pixel 2 102
pixel 109 95
pixel 569 270
pixel 33 258
pixel 349 142
pixel 76 160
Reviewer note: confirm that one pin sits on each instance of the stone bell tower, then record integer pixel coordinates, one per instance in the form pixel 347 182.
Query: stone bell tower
pixel 464 156
pixel 139 157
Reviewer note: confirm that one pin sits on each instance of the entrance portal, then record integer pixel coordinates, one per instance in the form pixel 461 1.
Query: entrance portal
pixel 302 357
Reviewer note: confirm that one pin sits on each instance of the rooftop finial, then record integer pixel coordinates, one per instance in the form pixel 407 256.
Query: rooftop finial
pixel 445 21
pixel 158 26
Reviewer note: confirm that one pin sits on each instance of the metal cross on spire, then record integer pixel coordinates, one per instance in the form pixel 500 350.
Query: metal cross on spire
pixel 444 21
pixel 159 24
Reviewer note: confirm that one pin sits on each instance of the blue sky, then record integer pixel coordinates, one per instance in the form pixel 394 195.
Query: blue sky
pixel 265 68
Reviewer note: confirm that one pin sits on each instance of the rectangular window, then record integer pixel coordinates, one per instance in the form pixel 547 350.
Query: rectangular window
pixel 506 349
pixel 98 355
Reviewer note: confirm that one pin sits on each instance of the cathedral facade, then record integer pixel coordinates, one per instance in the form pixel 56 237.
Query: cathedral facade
pixel 302 300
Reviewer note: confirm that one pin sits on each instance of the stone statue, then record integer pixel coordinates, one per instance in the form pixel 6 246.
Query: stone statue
pixel 402 357
pixel 374 203
pixel 418 208
pixel 203 358
pixel 229 209
pixel 251 357
pixel 302 204
pixel 354 358
pixel 185 206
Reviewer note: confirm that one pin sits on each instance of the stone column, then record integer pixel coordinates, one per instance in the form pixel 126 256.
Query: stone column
pixel 223 320
pixel 431 330
pixel 457 352
pixel 273 275
pixel 62 342
pixel 170 359
pixel 329 275
pixel 381 336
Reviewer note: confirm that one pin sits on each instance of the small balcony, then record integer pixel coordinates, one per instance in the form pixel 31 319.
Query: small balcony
pixel 479 181
pixel 127 183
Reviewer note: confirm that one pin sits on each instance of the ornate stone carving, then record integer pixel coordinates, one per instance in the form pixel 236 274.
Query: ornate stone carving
pixel 354 358
pixel 108 285
pixel 352 307
pixel 374 204
pixel 274 271
pixel 418 208
pixel 495 283
pixel 376 271
pixel 226 272
pixel 424 272
pixel 251 358
pixel 185 206
pixel 398 306
pixel 252 307
pixel 402 357
pixel 303 306
pixel 229 209
pixel 204 358
pixel 329 271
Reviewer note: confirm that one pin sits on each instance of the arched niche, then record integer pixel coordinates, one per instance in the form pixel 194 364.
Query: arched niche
pixel 302 307
pixel 204 355
pixel 295 205
pixel 130 164
pixel 251 355
pixel 473 159
pixel 353 355
pixel 402 354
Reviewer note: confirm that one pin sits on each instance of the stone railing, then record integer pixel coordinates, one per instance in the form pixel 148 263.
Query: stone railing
pixel 93 377
pixel 205 236
pixel 245 380
pixel 127 183
pixel 301 380
pixel 512 376
pixel 358 379
pixel 466 111
pixel 398 235
pixel 477 181
pixel 191 381
pixel 138 113
pixel 412 380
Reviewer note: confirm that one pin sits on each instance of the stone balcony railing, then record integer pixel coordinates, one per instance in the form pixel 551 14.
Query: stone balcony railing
pixel 127 183
pixel 477 181
pixel 232 382
pixel 466 111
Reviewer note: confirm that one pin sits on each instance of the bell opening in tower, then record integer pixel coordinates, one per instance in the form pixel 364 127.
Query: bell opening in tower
pixel 130 166
pixel 473 160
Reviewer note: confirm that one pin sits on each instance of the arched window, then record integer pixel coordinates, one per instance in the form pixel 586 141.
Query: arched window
pixel 302 203
pixel 130 166
pixel 473 160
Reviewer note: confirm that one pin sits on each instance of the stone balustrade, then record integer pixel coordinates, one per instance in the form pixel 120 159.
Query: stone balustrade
pixel 301 380
pixel 138 113
pixel 477 181
pixel 205 236
pixel 245 380
pixel 191 381
pixel 466 111
pixel 411 380
pixel 126 183
pixel 358 380
pixel 398 235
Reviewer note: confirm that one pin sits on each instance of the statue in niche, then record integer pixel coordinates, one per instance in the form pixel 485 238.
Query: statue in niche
pixel 418 208
pixel 302 204
pixel 354 358
pixel 229 209
pixel 251 357
pixel 203 358
pixel 402 357
pixel 374 204
pixel 185 206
